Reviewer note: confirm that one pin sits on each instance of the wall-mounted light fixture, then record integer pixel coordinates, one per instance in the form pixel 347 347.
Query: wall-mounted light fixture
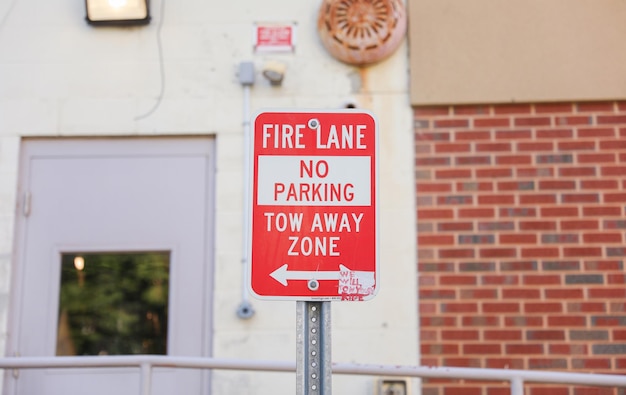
pixel 274 71
pixel 117 12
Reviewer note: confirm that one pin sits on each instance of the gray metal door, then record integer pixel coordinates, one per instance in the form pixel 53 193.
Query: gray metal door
pixel 112 196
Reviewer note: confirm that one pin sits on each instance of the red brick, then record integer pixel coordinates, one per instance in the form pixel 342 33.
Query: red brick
pixel 496 199
pixel 615 197
pixel 433 187
pixel 580 198
pixel 532 121
pixel 502 334
pixel 537 225
pixel 577 171
pixel 535 146
pixel 452 148
pixel 499 279
pixel 456 253
pixel 596 133
pixel 524 321
pixel 541 279
pixel 586 307
pixel 465 390
pixel 552 390
pixel 455 173
pixel 555 134
pixel 602 238
pixel 457 280
pixel 426 335
pixel 610 265
pixel 590 363
pixel 459 308
pixel 610 119
pixel 462 334
pixel 537 199
pixel 471 136
pixel 432 110
pixel 500 307
pixel 523 293
pixel 471 109
pixel 427 308
pixel 454 226
pixel 613 171
pixel 493 147
pixel 576 145
pixel 599 184
pixel 463 362
pixel 595 107
pixel 564 293
pixel 494 173
pixel 432 136
pixel 607 293
pixel 480 320
pixel 589 224
pixel 553 107
pixel 498 253
pixel 596 158
pixel 545 334
pixel 513 134
pixel 437 321
pixel 567 320
pixel 478 294
pixel 540 252
pixel 514 160
pixel 491 122
pixel 439 348
pixel 602 211
pixel 526 349
pixel 435 213
pixel 482 349
pixel 476 213
pixel 435 240
pixel 512 109
pixel 557 185
pixel 534 172
pixel 545 307
pixel 467 186
pixel 581 251
pixel 568 349
pixel 518 238
pixel 559 211
pixel 616 278
pixel 573 120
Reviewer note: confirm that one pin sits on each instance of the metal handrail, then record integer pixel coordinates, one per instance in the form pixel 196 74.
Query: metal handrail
pixel 146 363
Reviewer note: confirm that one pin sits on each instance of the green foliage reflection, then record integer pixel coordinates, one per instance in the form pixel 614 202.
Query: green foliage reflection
pixel 117 304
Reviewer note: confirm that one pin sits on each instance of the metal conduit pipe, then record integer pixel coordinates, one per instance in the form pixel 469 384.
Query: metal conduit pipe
pixel 246 79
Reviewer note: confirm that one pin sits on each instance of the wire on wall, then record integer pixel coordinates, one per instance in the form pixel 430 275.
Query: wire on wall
pixel 161 66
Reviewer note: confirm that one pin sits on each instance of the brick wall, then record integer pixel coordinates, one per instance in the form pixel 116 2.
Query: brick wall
pixel 521 240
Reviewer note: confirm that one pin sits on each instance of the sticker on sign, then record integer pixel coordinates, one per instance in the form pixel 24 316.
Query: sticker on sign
pixel 314 205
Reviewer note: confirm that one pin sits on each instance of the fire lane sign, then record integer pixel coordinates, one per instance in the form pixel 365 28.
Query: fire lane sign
pixel 314 206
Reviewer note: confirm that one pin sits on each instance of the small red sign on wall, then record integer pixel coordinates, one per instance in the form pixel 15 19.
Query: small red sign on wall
pixel 274 37
pixel 314 206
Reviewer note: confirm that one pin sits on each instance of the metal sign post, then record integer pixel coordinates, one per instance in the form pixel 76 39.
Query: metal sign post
pixel 313 353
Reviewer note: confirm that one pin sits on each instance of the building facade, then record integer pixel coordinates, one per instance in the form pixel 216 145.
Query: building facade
pixel 126 144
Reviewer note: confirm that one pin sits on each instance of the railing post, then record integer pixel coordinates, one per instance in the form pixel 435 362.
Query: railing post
pixel 517 386
pixel 146 378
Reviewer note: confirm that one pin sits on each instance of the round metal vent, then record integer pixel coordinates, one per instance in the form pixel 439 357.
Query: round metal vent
pixel 361 32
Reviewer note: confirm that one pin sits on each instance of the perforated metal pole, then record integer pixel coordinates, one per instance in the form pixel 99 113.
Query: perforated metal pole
pixel 313 364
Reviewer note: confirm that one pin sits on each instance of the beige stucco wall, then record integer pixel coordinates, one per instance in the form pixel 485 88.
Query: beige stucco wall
pixel 61 77
pixel 491 51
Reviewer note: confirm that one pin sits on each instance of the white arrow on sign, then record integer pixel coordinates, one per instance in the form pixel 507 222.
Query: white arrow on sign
pixel 282 275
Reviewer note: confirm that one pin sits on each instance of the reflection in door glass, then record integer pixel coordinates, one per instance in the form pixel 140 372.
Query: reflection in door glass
pixel 113 303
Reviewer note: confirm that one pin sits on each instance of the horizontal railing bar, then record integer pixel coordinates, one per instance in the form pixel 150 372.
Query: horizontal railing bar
pixel 157 361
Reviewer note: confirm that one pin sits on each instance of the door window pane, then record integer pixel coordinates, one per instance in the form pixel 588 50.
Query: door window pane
pixel 113 303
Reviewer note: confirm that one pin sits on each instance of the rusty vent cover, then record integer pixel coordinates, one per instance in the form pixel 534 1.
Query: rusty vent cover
pixel 361 32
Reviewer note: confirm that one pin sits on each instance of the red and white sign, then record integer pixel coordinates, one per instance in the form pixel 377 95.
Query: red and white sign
pixel 314 205
pixel 274 37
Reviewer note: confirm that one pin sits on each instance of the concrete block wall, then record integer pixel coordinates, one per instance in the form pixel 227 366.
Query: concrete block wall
pixel 521 240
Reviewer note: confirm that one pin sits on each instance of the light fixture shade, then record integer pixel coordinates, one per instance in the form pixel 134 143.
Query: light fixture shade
pixel 117 12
